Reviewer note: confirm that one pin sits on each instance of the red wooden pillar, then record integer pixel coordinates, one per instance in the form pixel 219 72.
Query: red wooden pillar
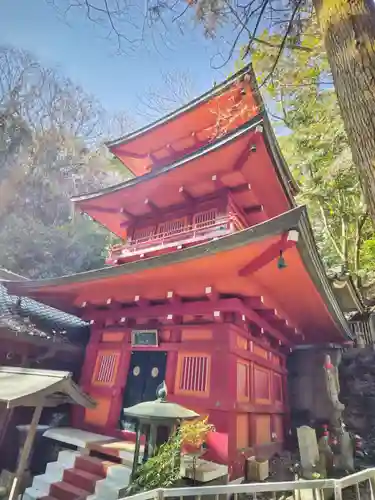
pixel 172 358
pixel 232 407
pixel 78 412
pixel 118 388
pixel 286 406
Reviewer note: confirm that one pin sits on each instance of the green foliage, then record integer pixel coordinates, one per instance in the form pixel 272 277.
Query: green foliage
pixel 161 470
pixel 303 106
pixel 47 155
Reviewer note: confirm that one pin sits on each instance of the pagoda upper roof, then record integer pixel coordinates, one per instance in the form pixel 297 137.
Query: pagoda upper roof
pixel 246 161
pixel 212 115
pixel 242 264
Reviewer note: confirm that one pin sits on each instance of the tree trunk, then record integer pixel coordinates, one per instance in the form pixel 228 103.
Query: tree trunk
pixel 348 29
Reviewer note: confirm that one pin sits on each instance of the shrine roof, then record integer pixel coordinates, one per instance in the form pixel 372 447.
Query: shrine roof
pixel 31 387
pixel 227 159
pixel 347 294
pixel 243 263
pixel 18 313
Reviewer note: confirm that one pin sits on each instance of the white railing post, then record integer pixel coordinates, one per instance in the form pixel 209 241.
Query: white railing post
pixel 317 486
pixel 337 491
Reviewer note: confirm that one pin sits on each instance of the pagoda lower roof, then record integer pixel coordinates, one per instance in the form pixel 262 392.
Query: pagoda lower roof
pixel 246 162
pixel 243 264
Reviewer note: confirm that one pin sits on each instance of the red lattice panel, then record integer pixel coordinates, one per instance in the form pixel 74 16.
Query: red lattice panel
pixel 194 374
pixel 105 368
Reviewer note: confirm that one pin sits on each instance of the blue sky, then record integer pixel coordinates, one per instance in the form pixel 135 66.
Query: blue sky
pixel 80 51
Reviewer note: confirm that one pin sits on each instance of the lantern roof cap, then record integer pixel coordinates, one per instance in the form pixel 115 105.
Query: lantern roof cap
pixel 160 409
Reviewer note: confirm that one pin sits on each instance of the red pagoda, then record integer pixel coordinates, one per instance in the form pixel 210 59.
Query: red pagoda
pixel 217 280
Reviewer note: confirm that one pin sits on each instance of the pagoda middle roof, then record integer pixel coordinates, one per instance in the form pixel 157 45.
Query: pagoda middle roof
pixel 301 291
pixel 248 156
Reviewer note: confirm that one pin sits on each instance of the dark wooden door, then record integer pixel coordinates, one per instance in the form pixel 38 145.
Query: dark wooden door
pixel 146 373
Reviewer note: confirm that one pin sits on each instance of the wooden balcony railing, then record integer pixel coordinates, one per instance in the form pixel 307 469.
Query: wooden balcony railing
pixel 193 233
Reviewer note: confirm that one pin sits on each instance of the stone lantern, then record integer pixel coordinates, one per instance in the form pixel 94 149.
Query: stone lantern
pixel 157 420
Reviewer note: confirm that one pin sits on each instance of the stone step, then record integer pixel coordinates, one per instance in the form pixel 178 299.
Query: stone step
pixel 56 470
pixel 119 473
pixel 67 457
pixel 110 490
pixel 34 494
pixel 81 479
pixel 92 464
pixel 66 491
pixel 43 482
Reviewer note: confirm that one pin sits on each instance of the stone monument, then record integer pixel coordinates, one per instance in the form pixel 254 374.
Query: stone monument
pixel 308 449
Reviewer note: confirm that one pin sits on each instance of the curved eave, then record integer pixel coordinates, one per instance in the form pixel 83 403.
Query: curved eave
pixel 270 147
pixel 275 152
pixel 294 219
pixel 10 276
pixel 258 120
pixel 347 295
pixel 217 90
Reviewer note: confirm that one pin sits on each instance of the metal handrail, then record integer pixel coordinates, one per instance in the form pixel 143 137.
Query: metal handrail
pixel 336 485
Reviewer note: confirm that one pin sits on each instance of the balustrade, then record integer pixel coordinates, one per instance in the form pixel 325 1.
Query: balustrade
pixel 174 233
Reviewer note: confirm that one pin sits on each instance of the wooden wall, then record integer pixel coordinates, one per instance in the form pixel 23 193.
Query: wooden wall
pixel 218 369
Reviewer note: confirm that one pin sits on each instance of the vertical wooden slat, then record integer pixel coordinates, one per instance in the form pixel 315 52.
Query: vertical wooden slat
pixel 194 374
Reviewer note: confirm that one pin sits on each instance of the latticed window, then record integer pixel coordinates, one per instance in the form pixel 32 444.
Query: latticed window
pixel 205 219
pixel 105 369
pixel 173 226
pixel 143 233
pixel 194 374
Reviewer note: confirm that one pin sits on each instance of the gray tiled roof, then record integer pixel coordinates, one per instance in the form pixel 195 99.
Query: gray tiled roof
pixel 44 317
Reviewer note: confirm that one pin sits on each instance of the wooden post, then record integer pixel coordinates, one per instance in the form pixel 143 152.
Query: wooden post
pixel 6 420
pixel 136 451
pixel 25 454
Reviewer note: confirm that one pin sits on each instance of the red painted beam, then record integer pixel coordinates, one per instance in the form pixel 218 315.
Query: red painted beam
pixel 186 195
pixel 243 157
pixel 97 208
pixel 253 209
pixel 241 188
pixel 173 298
pixel 154 209
pixel 140 302
pixel 127 214
pixel 256 303
pixel 271 253
pixel 218 182
pixel 212 294
pixel 188 309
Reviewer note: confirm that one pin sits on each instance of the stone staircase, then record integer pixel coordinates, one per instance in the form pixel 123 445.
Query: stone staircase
pixel 77 477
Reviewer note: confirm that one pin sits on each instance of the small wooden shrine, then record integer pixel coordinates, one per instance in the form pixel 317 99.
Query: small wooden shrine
pixel 217 279
pixel 34 335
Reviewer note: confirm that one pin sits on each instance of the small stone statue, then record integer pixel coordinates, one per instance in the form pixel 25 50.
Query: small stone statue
pixel 333 390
